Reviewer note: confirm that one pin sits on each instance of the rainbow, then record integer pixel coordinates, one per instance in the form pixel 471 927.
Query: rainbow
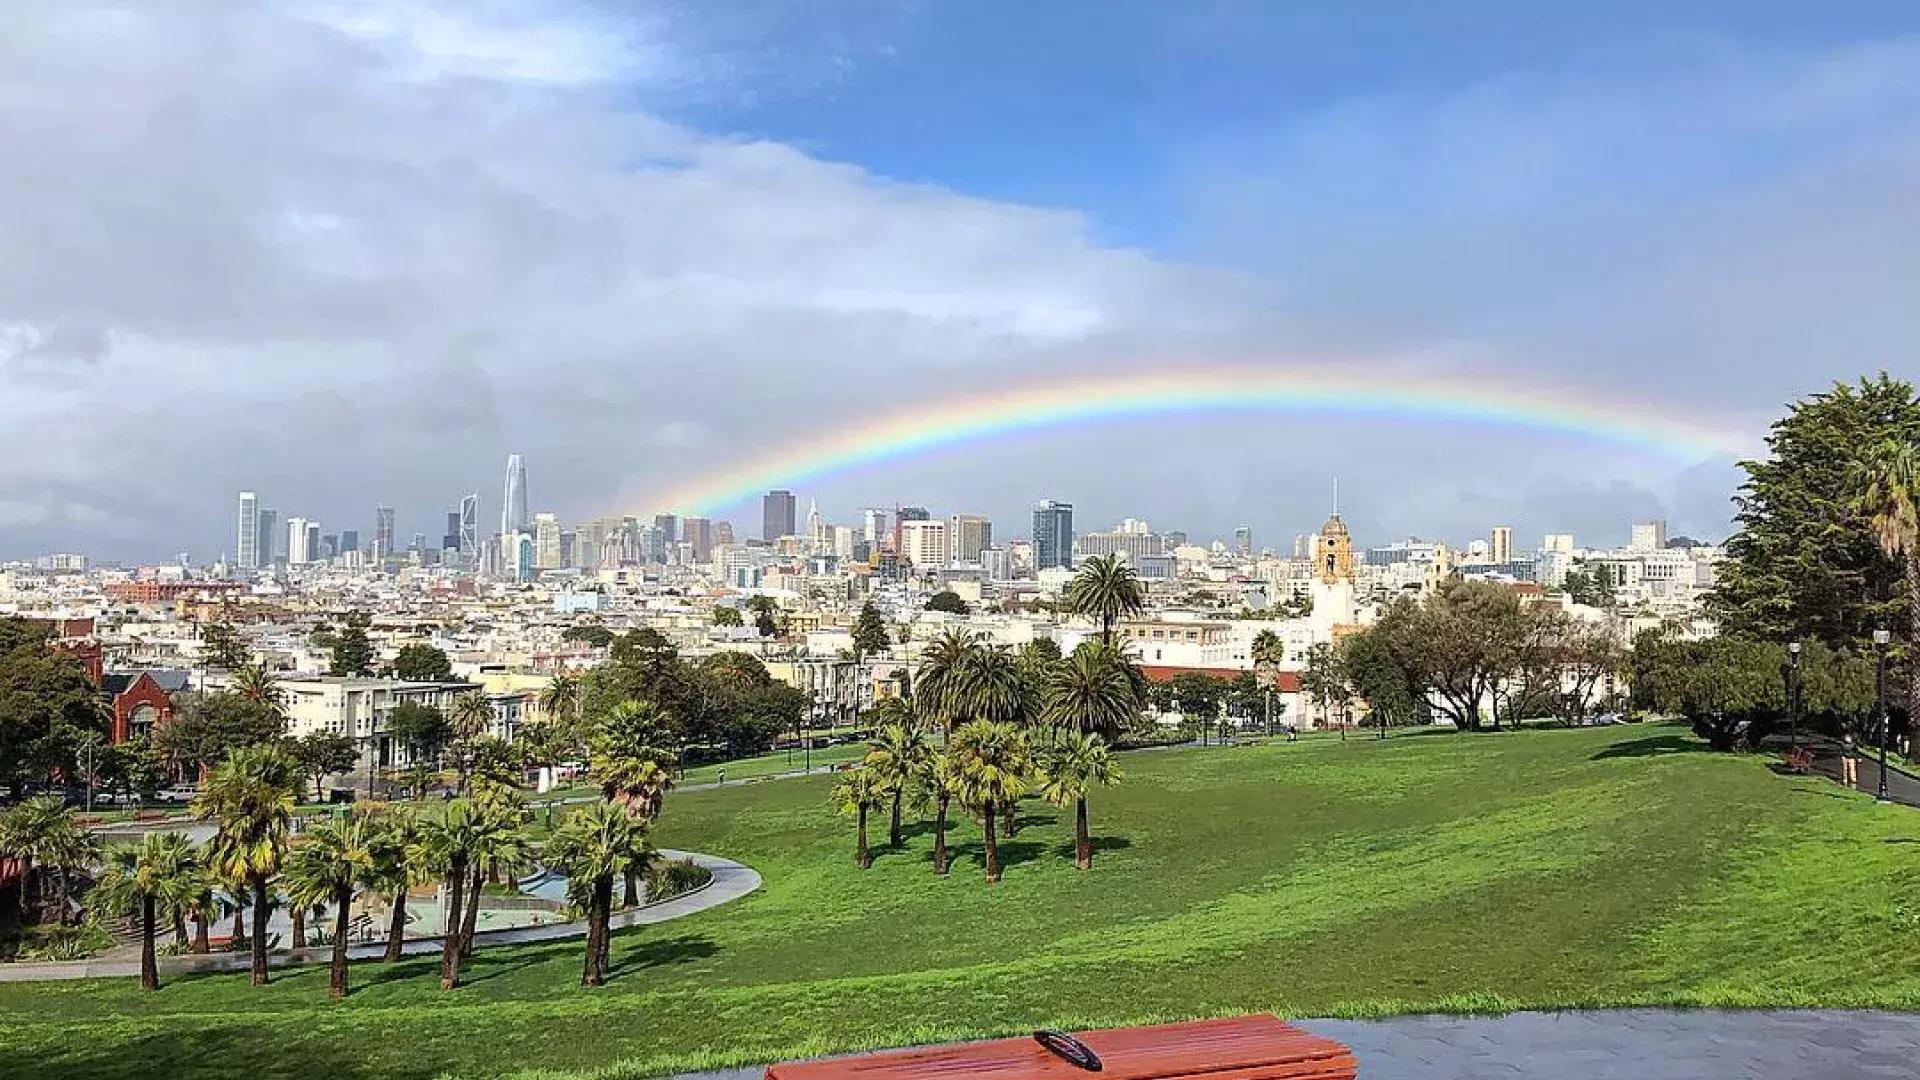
pixel 1059 403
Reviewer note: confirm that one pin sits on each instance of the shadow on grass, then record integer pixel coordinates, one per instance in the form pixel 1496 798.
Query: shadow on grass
pixel 1012 853
pixel 1654 746
pixel 236 1049
pixel 661 953
pixel 1098 843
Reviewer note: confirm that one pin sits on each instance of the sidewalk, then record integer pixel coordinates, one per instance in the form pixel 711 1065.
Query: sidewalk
pixel 1903 783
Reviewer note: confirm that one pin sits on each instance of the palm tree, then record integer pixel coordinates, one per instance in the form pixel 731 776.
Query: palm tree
pixel 1092 692
pixel 859 791
pixel 944 779
pixel 468 719
pixel 256 682
pixel 942 669
pixel 1076 766
pixel 141 879
pixel 563 697
pixel 393 836
pixel 200 905
pixel 632 753
pixel 446 848
pixel 991 688
pixel 328 866
pixel 43 835
pixel 498 842
pixel 991 764
pixel 899 756
pixel 1890 499
pixel 597 844
pixel 1106 588
pixel 250 797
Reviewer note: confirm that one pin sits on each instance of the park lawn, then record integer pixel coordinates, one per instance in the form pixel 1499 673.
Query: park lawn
pixel 774 763
pixel 1597 867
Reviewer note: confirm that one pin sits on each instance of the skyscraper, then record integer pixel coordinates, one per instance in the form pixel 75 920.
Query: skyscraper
pixel 1052 535
pixel 698 531
pixel 776 514
pixel 247 547
pixel 299 550
pixel 1500 544
pixel 268 531
pixel 349 540
pixel 1243 540
pixel 546 542
pixel 382 532
pixel 450 540
pixel 972 534
pixel 470 527
pixel 669 527
pixel 513 505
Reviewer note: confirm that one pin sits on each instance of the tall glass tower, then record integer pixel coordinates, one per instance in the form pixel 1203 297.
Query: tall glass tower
pixel 247 550
pixel 513 505
pixel 1052 535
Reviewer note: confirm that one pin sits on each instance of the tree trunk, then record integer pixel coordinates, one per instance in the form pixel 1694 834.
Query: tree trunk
pixel 200 943
pixel 450 939
pixel 337 969
pixel 298 914
pixel 860 857
pixel 471 917
pixel 940 834
pixel 993 847
pixel 632 898
pixel 261 909
pixel 397 925
pixel 149 966
pixel 239 925
pixel 1082 843
pixel 893 830
pixel 590 972
pixel 1009 816
pixel 1913 639
pixel 180 928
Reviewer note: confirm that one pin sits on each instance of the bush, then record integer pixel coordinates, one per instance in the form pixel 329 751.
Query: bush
pixel 676 878
pixel 63 942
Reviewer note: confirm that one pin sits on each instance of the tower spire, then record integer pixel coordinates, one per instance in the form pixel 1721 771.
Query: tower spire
pixel 1336 494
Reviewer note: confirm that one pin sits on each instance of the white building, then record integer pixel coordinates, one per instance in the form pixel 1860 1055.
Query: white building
pixel 926 543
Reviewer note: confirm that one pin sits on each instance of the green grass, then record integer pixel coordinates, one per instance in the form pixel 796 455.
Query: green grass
pixel 1459 873
pixel 774 763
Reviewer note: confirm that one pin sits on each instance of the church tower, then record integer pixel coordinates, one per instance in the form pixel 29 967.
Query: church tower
pixel 1332 586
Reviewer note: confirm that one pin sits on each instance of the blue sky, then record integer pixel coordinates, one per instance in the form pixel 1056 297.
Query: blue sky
pixel 641 241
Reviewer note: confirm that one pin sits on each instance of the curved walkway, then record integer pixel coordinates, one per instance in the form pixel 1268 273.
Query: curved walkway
pixel 1601 1044
pixel 731 880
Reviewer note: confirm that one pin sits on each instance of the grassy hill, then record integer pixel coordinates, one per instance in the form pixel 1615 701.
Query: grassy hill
pixel 1548 868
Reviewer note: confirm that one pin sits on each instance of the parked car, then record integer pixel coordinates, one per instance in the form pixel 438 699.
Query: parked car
pixel 178 794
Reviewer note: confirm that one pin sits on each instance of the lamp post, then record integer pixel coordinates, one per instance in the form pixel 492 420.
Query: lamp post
pixel 1793 690
pixel 1880 640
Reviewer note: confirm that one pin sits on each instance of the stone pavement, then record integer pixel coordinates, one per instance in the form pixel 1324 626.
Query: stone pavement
pixel 1617 1044
pixel 731 880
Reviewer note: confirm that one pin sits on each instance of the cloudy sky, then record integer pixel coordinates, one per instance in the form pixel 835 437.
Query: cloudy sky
pixel 345 253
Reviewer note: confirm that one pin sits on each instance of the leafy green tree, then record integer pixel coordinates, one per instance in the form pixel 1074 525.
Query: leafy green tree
pixel 991 763
pixel 42 835
pixel 47 703
pixel 633 755
pixel 332 862
pixel 1106 589
pixel 1589 585
pixel 1198 696
pixel 1458 644
pixel 596 845
pixel 859 791
pixel 1269 653
pixel 1068 771
pixel 948 601
pixel 938 695
pixel 451 847
pixel 1391 694
pixel 766 614
pixel 1092 692
pixel 249 797
pixel 422 729
pixel 418 662
pixel 1888 483
pixel 1805 564
pixel 321 755
pixel 899 757
pixel 207 727
pixel 727 616
pixel 222 647
pixel 142 880
pixel 1721 685
pixel 869 632
pixel 593 634
pixel 393 839
pixel 352 652
pixel 499 845
pixel 469 718
pixel 256 682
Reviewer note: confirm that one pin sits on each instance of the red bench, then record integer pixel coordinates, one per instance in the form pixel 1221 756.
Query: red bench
pixel 1798 760
pixel 1239 1048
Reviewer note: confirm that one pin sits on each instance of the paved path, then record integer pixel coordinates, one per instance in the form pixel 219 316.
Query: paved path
pixel 1617 1044
pixel 1902 785
pixel 731 880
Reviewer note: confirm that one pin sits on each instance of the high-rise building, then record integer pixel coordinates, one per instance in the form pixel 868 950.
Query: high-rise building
pixel 698 533
pixel 1243 541
pixel 1500 544
pixel 925 543
pixel 349 540
pixel 1558 543
pixel 546 542
pixel 513 504
pixel 450 540
pixel 246 553
pixel 300 549
pixel 722 533
pixel 776 514
pixel 1052 535
pixel 1648 536
pixel 470 527
pixel 382 532
pixel 669 527
pixel 269 533
pixel 876 524
pixel 972 534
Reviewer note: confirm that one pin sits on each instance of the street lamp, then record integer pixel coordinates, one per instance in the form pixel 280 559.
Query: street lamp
pixel 1793 690
pixel 1880 640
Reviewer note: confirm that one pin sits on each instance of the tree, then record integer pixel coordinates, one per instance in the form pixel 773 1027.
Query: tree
pixel 421 729
pixel 498 845
pixel 766 614
pixel 1721 685
pixel 898 757
pixel 597 844
pixel 1457 644
pixel 1092 692
pixel 393 838
pixel 727 616
pixel 417 662
pixel 593 634
pixel 1068 771
pixel 1582 657
pixel 1391 694
pixel 249 797
pixel 42 835
pixel 321 755
pixel 1198 696
pixel 948 601
pixel 47 702
pixel 208 727
pixel 943 781
pixel 1589 585
pixel 937 696
pixel 1106 589
pixel 1269 653
pixel 448 841
pixel 142 880
pixel 256 683
pixel 221 647
pixel 861 789
pixel 469 718
pixel 991 763
pixel 352 652
pixel 1888 483
pixel 1805 564
pixel 869 632
pixel 331 862
pixel 633 754
pixel 1323 681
